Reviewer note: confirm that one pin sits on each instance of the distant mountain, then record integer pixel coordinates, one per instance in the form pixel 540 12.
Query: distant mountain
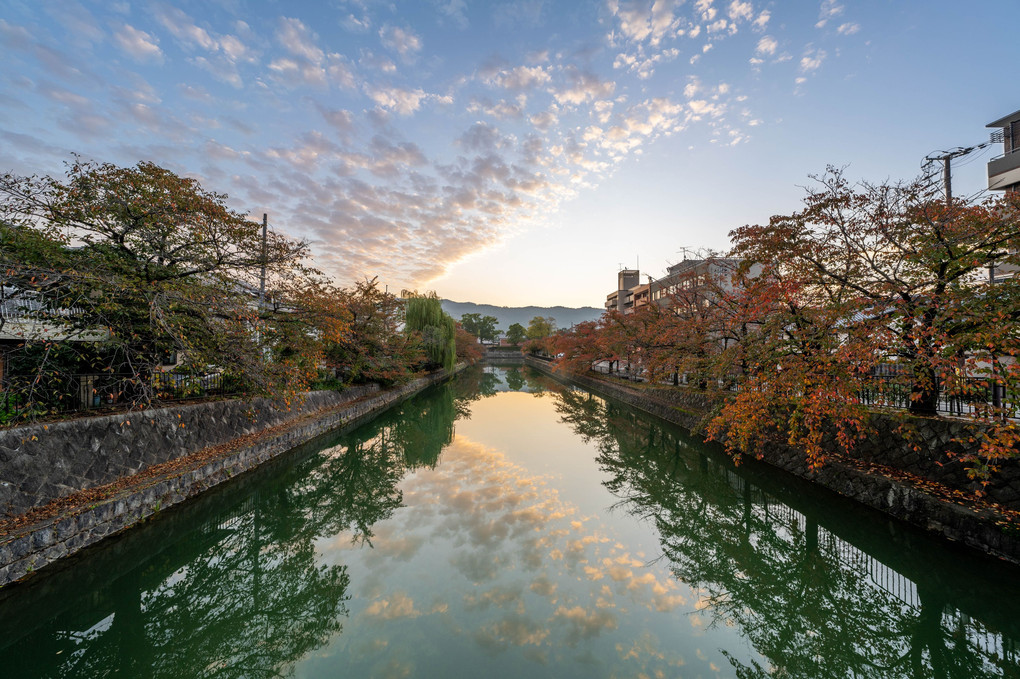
pixel 565 316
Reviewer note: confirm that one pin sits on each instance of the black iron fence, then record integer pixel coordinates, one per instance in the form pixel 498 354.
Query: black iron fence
pixel 887 388
pixel 974 395
pixel 26 396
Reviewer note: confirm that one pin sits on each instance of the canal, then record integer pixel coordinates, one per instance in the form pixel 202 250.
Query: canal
pixel 504 525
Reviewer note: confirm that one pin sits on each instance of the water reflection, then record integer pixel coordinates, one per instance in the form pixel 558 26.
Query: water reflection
pixel 409 548
pixel 240 594
pixel 811 602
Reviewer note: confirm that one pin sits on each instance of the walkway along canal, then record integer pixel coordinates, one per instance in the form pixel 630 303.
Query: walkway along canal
pixel 504 525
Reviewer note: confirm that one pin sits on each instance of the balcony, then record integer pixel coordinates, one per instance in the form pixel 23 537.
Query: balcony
pixel 1004 171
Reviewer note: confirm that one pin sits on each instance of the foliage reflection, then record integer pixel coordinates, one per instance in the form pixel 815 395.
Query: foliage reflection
pixel 241 594
pixel 812 603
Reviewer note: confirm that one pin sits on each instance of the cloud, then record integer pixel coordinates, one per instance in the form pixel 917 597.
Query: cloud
pixel 582 623
pixel 400 40
pixel 767 45
pixel 297 39
pixel 77 20
pixel 544 120
pixel 308 64
pixel 397 606
pixel 340 119
pixel 828 10
pixel 740 11
pixel 812 60
pixel 501 110
pixel 581 86
pixel 182 27
pixel 848 28
pixel 454 9
pixel 138 44
pixel 403 102
pixel 645 20
pixel 521 78
pixel 645 68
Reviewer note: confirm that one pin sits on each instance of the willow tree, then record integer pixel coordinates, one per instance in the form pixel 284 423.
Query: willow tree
pixel 425 316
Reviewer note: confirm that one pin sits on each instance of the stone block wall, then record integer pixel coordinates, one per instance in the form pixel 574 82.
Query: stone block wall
pixel 40 463
pixel 36 546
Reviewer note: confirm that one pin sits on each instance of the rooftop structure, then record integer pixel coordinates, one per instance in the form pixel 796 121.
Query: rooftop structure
pixel 1004 170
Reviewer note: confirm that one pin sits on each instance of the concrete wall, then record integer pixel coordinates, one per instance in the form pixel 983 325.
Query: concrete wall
pixel 43 462
pixel 38 545
pixel 983 529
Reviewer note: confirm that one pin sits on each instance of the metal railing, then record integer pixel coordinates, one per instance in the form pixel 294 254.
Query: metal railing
pixel 26 396
pixel 891 391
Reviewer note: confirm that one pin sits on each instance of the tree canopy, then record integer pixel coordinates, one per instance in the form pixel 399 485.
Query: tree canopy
pixel 870 294
pixel 158 279
pixel 483 327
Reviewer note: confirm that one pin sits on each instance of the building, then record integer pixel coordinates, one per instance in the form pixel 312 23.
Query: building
pixel 1004 170
pixel 622 299
pixel 692 281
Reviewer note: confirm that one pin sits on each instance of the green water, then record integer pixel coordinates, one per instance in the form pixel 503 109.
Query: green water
pixel 506 526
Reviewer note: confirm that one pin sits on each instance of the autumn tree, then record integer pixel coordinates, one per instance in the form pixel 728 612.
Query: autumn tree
pixel 373 347
pixel 900 253
pixel 467 347
pixel 872 275
pixel 580 348
pixel 159 264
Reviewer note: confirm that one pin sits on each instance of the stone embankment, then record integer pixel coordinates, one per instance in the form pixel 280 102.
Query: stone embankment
pixel 91 478
pixel 909 477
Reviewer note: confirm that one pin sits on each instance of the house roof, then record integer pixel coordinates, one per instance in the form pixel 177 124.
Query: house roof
pixel 1005 120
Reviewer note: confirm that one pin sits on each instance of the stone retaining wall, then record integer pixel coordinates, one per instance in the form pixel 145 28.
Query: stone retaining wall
pixel 36 546
pixel 984 530
pixel 503 355
pixel 43 462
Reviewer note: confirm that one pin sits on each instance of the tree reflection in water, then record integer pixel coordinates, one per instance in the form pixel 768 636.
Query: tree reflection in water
pixel 811 603
pixel 234 585
pixel 241 594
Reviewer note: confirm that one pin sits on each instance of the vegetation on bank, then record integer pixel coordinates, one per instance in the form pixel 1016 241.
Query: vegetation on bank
pixel 142 281
pixel 871 292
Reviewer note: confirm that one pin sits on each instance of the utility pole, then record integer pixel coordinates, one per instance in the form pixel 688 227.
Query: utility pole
pixel 947 178
pixel 265 261
pixel 946 158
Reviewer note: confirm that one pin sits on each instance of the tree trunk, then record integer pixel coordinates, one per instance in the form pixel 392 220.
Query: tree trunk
pixel 924 392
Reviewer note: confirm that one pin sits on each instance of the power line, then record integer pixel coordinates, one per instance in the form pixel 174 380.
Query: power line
pixel 946 157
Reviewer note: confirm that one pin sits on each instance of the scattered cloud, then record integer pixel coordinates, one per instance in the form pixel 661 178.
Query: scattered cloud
pixel 812 59
pixel 767 45
pixel 138 44
pixel 403 41
pixel 829 9
pixel 582 86
pixel 396 158
pixel 645 20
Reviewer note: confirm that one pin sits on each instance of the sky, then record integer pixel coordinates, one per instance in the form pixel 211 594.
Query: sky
pixel 510 152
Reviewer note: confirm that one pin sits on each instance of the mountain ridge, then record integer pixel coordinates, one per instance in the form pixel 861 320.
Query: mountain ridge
pixel 507 316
